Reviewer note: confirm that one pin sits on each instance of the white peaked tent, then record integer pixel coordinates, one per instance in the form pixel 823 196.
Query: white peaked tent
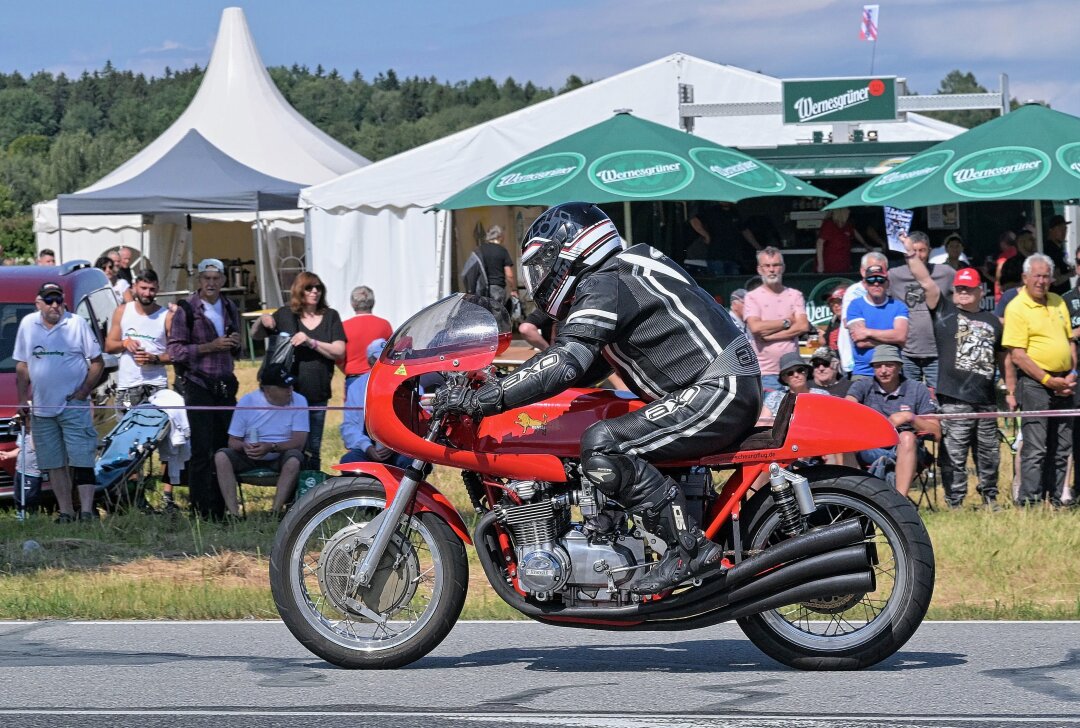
pixel 371 226
pixel 238 110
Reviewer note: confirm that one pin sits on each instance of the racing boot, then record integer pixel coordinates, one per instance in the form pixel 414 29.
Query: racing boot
pixel 689 554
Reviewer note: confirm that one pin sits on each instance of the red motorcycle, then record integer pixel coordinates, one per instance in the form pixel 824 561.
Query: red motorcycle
pixel 826 568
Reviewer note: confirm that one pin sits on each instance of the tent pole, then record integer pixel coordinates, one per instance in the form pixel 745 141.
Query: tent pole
pixel 1038 226
pixel 60 234
pixel 260 265
pixel 628 223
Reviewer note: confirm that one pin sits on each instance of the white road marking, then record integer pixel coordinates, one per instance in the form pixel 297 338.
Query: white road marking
pixel 594 720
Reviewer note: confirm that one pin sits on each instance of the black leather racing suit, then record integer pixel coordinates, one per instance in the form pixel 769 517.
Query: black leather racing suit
pixel 673 345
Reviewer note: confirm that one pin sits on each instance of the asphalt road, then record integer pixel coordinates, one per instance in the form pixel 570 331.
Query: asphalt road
pixel 238 674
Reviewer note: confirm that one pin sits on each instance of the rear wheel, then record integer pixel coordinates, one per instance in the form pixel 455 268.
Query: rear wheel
pixel 850 631
pixel 415 595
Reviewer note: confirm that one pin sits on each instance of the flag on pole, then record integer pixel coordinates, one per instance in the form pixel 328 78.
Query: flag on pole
pixel 868 30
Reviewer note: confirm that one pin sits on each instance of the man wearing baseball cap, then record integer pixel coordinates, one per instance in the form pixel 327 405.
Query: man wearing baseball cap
pixel 876 319
pixel 904 402
pixel 825 368
pixel 969 353
pixel 57 353
pixel 203 340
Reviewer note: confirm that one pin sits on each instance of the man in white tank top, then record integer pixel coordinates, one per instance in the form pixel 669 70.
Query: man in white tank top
pixel 139 334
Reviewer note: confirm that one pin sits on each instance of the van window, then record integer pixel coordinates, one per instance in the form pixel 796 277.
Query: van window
pixel 97 310
pixel 10 315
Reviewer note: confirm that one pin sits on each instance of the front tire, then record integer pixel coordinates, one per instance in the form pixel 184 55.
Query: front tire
pixel 848 632
pixel 417 591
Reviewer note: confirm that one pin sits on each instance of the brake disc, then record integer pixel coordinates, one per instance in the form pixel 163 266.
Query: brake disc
pixel 393 583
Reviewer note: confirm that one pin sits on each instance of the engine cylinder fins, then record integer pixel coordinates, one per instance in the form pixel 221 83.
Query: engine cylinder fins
pixel 525 489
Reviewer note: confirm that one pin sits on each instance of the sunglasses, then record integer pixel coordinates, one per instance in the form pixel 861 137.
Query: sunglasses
pixel 875 280
pixel 313 287
pixel 52 300
pixel 825 364
pixel 792 372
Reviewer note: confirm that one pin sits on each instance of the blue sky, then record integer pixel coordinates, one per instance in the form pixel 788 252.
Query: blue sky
pixel 1034 41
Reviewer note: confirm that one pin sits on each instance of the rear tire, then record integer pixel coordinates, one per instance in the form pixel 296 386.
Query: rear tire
pixel 418 589
pixel 859 630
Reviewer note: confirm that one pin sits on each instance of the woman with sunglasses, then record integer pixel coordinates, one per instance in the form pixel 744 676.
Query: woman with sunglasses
pixel 319 338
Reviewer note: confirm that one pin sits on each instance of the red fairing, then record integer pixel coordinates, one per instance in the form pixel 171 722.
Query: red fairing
pixel 427 498
pixel 823 424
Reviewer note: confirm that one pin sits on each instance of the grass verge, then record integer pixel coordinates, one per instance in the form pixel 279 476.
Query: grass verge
pixel 1016 564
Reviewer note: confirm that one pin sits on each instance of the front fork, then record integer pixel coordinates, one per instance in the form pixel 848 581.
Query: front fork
pixel 387 521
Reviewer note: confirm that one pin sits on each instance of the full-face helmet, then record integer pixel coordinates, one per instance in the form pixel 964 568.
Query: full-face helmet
pixel 566 243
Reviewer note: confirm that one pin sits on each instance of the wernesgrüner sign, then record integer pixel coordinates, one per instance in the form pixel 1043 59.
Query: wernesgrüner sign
pixel 739 169
pixel 816 101
pixel 641 173
pixel 905 177
pixel 535 176
pixel 997 172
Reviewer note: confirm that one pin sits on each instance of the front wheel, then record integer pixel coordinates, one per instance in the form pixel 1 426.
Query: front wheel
pixel 850 631
pixel 414 597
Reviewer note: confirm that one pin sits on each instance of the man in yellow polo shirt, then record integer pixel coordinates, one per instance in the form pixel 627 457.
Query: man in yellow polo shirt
pixel 1039 336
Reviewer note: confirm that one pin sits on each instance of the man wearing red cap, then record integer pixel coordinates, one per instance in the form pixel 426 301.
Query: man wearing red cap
pixel 969 350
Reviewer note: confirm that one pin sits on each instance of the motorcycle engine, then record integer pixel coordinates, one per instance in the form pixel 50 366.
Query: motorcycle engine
pixel 553 557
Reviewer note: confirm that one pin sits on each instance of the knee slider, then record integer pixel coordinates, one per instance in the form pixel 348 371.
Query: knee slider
pixel 83 476
pixel 610 471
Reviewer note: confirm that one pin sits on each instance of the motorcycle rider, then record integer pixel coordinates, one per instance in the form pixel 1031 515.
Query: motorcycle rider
pixel 635 310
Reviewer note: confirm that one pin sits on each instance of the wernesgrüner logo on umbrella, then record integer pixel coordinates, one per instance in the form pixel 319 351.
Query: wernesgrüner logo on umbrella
pixel 641 173
pixel 535 176
pixel 738 169
pixel 997 172
pixel 1068 155
pixel 907 176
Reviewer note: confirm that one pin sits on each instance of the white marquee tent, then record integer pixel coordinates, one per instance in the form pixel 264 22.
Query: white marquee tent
pixel 371 226
pixel 239 110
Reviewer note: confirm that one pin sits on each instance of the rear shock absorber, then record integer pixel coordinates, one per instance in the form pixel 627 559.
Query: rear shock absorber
pixel 794 501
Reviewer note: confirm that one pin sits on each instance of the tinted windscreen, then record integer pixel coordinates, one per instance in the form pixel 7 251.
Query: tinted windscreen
pixel 457 325
pixel 10 315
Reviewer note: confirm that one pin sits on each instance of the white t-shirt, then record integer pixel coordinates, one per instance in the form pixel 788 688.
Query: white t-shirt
pixel 843 337
pixel 274 425
pixel 215 314
pixel 119 287
pixel 56 357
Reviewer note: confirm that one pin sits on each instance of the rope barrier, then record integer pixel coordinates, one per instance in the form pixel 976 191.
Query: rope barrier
pixel 1018 414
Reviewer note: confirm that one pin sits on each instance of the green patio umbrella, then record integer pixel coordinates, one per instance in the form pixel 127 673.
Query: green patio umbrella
pixel 1032 153
pixel 629 159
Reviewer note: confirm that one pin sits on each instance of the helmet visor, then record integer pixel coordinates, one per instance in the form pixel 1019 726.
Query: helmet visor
pixel 536 264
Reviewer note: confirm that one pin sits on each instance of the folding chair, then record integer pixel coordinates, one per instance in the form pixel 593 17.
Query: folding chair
pixel 926 475
pixel 259 477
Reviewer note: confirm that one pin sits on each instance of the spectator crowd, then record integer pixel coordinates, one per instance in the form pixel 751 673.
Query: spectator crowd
pixel 199 336
pixel 915 340
pixel 909 341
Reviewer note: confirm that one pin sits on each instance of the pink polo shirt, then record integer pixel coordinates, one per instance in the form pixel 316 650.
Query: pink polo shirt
pixel 767 306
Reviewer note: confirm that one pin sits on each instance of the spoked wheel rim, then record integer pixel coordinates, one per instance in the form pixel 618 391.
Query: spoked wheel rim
pixel 845 621
pixel 414 561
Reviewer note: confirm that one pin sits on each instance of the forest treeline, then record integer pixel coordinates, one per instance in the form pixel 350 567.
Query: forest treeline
pixel 59 134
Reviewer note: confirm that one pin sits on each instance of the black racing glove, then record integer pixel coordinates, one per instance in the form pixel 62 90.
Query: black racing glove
pixel 463 399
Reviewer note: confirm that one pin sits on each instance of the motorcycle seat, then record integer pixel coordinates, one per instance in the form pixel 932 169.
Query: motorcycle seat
pixel 767 437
